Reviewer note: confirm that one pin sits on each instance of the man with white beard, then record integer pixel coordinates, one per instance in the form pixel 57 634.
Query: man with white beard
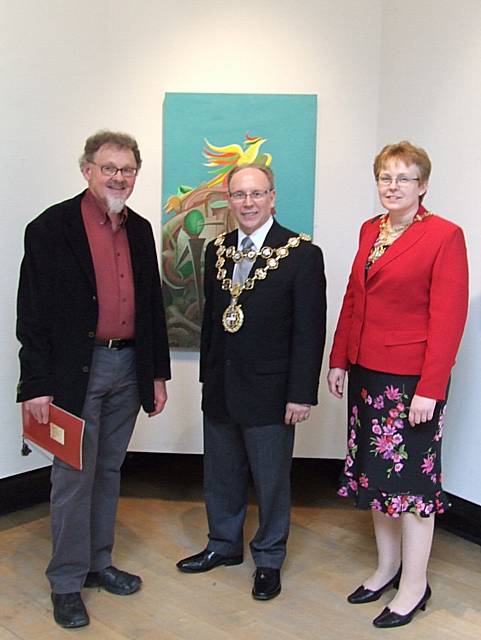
pixel 92 328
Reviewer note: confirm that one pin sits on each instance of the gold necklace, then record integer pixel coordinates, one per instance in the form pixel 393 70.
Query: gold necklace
pixel 388 234
pixel 233 316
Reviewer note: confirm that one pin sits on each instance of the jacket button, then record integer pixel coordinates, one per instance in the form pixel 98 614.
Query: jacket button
pixel 228 363
pixel 91 334
pixel 94 298
pixel 85 369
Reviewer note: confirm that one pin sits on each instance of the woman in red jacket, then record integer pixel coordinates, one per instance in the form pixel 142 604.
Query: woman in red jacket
pixel 398 332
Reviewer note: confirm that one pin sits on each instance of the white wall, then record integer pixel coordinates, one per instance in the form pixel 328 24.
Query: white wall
pixel 70 68
pixel 430 93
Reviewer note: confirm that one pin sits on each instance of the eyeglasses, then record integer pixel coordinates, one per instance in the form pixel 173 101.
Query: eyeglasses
pixel 240 196
pixel 111 171
pixel 400 181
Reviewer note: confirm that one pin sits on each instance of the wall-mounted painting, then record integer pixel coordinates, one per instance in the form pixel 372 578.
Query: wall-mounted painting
pixel 204 136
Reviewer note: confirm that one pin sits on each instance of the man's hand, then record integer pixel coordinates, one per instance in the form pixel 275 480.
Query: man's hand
pixel 160 396
pixel 39 408
pixel 296 412
pixel 335 381
pixel 421 410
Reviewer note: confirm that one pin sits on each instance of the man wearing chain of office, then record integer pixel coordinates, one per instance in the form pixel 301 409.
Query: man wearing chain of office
pixel 261 349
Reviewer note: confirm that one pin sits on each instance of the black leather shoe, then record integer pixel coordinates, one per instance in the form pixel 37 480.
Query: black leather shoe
pixel 362 595
pixel 267 583
pixel 69 611
pixel 114 581
pixel 205 561
pixel 388 618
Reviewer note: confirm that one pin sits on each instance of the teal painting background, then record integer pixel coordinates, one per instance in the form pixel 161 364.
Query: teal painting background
pixel 288 122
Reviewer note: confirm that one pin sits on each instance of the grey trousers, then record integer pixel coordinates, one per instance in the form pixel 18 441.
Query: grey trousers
pixel 83 504
pixel 229 451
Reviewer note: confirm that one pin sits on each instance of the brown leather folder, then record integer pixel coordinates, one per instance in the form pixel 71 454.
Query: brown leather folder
pixel 62 435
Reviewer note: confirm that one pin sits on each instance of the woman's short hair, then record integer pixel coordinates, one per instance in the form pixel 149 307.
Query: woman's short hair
pixel 116 139
pixel 407 153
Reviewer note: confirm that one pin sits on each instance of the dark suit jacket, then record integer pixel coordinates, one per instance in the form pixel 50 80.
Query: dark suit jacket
pixel 408 315
pixel 275 357
pixel 58 309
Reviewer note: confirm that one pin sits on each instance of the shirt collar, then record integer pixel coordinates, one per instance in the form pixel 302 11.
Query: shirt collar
pixel 258 237
pixel 99 211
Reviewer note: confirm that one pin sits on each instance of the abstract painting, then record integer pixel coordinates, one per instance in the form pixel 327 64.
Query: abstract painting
pixel 204 136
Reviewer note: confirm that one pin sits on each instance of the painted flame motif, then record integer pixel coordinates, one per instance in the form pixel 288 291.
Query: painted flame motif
pixel 220 161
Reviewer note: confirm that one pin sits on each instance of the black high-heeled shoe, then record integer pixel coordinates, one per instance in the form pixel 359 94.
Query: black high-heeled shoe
pixel 388 618
pixel 362 595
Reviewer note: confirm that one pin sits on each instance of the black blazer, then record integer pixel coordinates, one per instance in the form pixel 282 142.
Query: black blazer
pixel 275 357
pixel 57 308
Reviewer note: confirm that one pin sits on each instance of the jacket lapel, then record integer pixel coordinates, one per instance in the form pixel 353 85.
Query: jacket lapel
pixel 368 237
pixel 408 239
pixel 77 238
pixel 275 238
pixel 232 240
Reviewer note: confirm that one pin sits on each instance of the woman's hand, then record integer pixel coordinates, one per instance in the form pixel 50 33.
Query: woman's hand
pixel 335 381
pixel 421 410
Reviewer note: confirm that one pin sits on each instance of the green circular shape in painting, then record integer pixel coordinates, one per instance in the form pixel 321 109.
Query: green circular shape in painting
pixel 194 222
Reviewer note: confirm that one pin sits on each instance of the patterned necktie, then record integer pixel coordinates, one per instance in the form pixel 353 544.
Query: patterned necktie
pixel 243 267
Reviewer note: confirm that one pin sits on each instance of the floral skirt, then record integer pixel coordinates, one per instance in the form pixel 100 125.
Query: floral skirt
pixel 391 466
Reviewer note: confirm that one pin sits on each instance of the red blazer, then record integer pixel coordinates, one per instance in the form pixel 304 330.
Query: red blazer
pixel 408 315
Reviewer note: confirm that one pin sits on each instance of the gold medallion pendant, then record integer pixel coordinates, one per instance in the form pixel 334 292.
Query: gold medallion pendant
pixel 233 318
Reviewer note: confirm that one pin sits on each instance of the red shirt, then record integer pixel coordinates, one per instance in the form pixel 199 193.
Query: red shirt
pixel 110 251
